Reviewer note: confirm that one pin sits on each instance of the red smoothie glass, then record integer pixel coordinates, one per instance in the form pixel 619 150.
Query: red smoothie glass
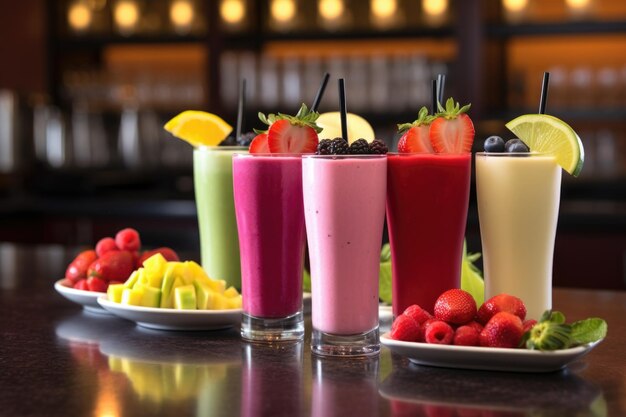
pixel 270 222
pixel 427 201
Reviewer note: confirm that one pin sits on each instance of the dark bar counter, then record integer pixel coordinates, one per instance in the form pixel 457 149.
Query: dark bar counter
pixel 57 360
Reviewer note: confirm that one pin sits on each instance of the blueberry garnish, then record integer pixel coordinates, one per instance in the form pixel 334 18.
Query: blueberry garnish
pixel 516 146
pixel 494 144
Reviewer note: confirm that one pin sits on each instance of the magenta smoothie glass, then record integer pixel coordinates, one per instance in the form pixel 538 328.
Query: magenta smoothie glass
pixel 344 205
pixel 270 223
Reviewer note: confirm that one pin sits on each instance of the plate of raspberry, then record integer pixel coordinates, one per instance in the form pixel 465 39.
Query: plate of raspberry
pixel 486 358
pixel 87 299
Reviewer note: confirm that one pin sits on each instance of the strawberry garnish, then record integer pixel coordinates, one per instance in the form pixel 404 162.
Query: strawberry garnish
pixel 416 137
pixel 259 144
pixel 292 134
pixel 452 131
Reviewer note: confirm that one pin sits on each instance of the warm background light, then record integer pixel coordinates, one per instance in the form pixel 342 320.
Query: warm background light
pixel 515 5
pixel 126 15
pixel 232 11
pixel 283 10
pixel 435 7
pixel 330 9
pixel 181 13
pixel 79 16
pixel 578 4
pixel 384 8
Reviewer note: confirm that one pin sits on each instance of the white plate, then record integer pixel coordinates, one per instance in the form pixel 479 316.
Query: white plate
pixel 483 358
pixel 171 319
pixel 88 299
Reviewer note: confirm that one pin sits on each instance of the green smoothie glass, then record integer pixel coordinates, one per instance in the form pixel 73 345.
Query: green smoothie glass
pixel 213 182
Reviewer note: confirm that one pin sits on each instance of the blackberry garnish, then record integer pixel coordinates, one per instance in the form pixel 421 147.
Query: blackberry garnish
pixel 339 146
pixel 378 147
pixel 323 147
pixel 360 147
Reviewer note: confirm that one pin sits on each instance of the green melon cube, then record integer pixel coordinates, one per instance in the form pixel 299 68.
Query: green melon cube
pixel 185 298
pixel 132 296
pixel 151 297
pixel 203 292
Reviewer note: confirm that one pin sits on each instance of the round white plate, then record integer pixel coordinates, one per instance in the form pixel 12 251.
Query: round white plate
pixel 484 358
pixel 88 299
pixel 171 319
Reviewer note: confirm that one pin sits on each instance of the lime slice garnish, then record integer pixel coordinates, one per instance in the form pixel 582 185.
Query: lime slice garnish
pixel 199 128
pixel 358 127
pixel 548 135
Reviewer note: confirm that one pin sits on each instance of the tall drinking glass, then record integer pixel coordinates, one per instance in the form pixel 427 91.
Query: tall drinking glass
pixel 213 181
pixel 518 208
pixel 344 204
pixel 270 221
pixel 427 201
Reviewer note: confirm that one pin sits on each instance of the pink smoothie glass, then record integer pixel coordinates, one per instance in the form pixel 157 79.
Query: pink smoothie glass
pixel 344 205
pixel 270 223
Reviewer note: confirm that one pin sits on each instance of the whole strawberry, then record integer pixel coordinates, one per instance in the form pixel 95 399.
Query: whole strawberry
pixel 113 266
pixel 501 302
pixel 452 131
pixel 503 330
pixel 406 329
pixel 78 268
pixel 455 306
pixel 466 336
pixel 288 134
pixel 416 136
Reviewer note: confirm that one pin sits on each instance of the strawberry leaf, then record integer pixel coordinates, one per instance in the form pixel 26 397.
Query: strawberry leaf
pixel 423 119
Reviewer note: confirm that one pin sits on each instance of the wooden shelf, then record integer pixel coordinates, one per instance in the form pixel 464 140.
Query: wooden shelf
pixel 555 29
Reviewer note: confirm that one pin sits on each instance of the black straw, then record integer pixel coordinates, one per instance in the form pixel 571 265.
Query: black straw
pixel 240 108
pixel 343 110
pixel 441 84
pixel 544 93
pixel 434 97
pixel 320 92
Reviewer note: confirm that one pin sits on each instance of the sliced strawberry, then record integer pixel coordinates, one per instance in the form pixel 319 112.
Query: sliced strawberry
pixel 416 140
pixel 259 144
pixel 416 137
pixel 453 130
pixel 285 137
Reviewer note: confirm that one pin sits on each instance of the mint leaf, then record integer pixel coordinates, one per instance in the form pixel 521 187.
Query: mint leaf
pixel 588 330
pixel 385 253
pixel 306 281
pixel 384 282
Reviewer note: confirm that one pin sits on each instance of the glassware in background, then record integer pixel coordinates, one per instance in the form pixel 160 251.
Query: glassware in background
pixel 9 139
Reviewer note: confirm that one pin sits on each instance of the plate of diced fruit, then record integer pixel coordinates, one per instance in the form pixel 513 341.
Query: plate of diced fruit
pixel 496 336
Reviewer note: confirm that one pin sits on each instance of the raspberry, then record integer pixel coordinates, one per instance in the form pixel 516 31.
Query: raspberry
pixel 503 330
pixel 438 332
pixel 417 313
pixel 406 329
pixel 128 239
pixel 466 336
pixel 105 245
pixel 339 146
pixel 498 303
pixel 455 306
pixel 323 147
pixel 360 147
pixel 476 325
pixel 378 147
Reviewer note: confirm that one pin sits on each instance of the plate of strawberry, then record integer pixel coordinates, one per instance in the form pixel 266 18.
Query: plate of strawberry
pixel 497 336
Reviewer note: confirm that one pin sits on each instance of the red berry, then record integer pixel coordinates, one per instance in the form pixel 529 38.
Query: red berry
pixel 498 303
pixel 455 306
pixel 128 239
pixel 406 329
pixel 453 130
pixel 476 325
pixel 78 268
pixel 113 266
pixel 438 332
pixel 416 140
pixel 167 253
pixel 502 330
pixel 105 245
pixel 97 284
pixel 528 324
pixel 81 285
pixel 284 137
pixel 417 313
pixel 259 144
pixel 466 336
